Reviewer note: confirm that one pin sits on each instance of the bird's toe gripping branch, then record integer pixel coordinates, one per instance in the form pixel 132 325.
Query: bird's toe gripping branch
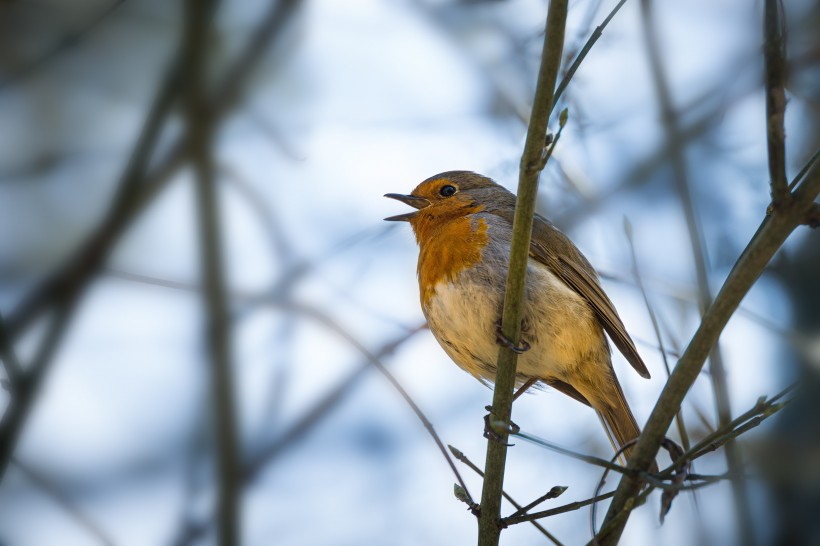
pixel 490 427
pixel 504 341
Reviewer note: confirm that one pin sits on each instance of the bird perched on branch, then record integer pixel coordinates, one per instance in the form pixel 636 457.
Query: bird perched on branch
pixel 463 227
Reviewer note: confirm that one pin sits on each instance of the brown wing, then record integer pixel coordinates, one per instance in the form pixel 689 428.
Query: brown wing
pixel 552 248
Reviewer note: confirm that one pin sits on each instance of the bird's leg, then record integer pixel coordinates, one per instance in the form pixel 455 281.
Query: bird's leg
pixel 502 340
pixel 489 433
pixel 523 388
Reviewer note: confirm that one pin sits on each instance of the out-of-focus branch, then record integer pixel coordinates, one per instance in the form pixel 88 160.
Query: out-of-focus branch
pixel 136 190
pixel 596 34
pixel 66 43
pixel 9 358
pixel 698 247
pixel 774 49
pixel 65 501
pixel 684 436
pixel 640 173
pixel 681 425
pixel 334 326
pixel 28 385
pixel 302 425
pixel 231 86
pixel 532 162
pixel 770 236
pixel 73 277
pixel 218 329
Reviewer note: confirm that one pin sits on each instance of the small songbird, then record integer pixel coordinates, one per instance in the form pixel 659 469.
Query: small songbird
pixel 463 227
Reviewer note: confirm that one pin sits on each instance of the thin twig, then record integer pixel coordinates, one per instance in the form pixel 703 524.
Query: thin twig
pixel 684 436
pixel 64 500
pixel 300 427
pixel 763 409
pixel 597 461
pixel 553 493
pixel 506 522
pixel 26 390
pixel 596 34
pixel 334 326
pixel 464 459
pixel 814 157
pixel 532 162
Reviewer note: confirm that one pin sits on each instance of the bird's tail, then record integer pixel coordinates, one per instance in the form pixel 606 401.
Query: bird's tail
pixel 620 424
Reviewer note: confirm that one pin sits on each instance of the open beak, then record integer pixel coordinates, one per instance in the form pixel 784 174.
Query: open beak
pixel 412 200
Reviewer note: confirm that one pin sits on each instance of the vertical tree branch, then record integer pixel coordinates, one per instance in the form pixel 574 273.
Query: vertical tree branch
pixel 774 52
pixel 489 530
pixel 771 235
pixel 698 247
pixel 199 14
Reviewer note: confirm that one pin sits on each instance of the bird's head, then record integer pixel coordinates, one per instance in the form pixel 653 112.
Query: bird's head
pixel 448 197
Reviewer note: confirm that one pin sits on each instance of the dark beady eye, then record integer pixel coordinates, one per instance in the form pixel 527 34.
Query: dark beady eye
pixel 447 191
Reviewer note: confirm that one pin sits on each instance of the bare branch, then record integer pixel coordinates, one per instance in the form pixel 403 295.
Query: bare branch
pixel 771 235
pixel 464 459
pixel 65 501
pixel 66 43
pixel 9 358
pixel 655 326
pixel 489 530
pixel 329 323
pixel 137 188
pixel 301 426
pixel 596 34
pixel 506 522
pixel 775 56
pixel 218 328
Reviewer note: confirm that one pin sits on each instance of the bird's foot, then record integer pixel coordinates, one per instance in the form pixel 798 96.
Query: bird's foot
pixel 489 430
pixel 504 341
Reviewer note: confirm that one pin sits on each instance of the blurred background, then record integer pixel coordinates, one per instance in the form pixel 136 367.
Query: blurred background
pixel 128 378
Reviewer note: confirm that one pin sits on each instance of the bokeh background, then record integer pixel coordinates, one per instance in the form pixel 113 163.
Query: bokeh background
pixel 319 108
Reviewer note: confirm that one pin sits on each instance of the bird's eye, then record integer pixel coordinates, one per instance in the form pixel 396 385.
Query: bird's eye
pixel 447 191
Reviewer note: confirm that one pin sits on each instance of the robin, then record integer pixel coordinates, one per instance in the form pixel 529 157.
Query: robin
pixel 463 227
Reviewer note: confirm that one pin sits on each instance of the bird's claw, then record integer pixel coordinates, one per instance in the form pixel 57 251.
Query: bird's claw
pixel 491 434
pixel 504 341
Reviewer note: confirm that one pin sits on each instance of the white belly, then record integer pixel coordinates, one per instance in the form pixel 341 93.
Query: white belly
pixel 559 325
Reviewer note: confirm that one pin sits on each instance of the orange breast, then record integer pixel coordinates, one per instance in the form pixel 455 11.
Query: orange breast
pixel 446 249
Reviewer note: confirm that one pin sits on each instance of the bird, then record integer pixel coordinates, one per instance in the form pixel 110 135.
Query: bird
pixel 463 224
